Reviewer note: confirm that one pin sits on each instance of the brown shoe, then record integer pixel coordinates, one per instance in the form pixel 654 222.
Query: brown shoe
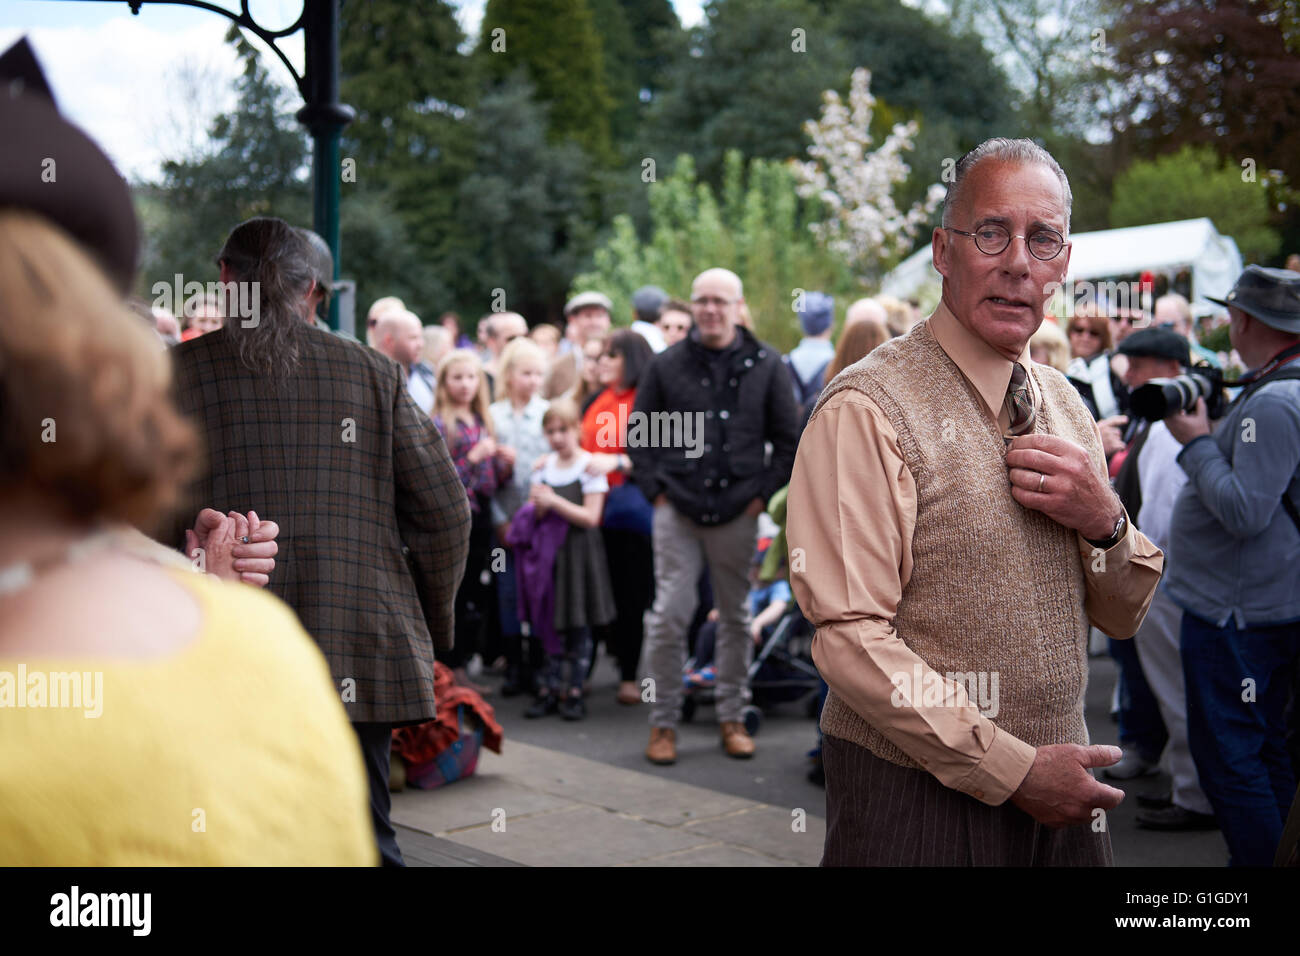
pixel 663 746
pixel 735 741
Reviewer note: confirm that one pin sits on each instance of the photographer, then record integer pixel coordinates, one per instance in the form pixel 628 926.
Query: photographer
pixel 1234 546
pixel 1148 484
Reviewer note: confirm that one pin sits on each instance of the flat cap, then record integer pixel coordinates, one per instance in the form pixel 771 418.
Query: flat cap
pixel 588 298
pixel 1156 342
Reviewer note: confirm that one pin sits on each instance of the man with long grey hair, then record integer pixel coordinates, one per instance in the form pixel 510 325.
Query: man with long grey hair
pixel 321 433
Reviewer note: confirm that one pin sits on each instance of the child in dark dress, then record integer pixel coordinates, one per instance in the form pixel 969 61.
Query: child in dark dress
pixel 583 596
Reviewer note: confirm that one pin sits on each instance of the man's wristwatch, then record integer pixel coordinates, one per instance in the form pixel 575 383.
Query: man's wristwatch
pixel 1116 536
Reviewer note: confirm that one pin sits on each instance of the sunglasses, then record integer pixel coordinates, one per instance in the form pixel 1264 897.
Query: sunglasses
pixel 1081 330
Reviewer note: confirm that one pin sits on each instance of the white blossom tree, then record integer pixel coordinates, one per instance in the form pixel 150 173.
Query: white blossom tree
pixel 856 183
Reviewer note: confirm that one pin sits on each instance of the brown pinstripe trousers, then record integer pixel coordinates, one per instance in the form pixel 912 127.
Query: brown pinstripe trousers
pixel 881 814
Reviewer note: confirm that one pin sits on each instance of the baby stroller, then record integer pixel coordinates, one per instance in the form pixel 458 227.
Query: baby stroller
pixel 782 672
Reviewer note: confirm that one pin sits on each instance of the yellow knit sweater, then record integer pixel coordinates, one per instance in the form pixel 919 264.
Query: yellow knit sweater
pixel 234 751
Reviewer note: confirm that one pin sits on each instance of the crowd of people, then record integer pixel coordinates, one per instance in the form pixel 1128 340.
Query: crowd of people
pixel 670 488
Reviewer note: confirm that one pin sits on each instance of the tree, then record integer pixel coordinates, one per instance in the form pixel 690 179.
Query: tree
pixel 1218 75
pixel 524 209
pixel 759 230
pixel 402 70
pixel 657 30
pixel 1192 183
pixel 255 164
pixel 1050 50
pixel 738 83
pixel 1214 74
pixel 856 183
pixel 746 79
pixel 557 44
pixel 618 56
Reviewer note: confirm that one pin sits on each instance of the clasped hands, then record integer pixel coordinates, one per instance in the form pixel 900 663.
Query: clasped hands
pixel 225 552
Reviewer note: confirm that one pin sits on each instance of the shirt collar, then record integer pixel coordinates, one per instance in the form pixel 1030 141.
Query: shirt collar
pixel 984 367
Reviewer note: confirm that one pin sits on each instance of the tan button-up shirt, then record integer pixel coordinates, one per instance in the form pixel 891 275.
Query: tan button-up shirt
pixel 853 505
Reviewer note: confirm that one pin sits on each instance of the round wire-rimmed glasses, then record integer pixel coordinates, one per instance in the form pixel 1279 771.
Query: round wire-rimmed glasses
pixel 992 239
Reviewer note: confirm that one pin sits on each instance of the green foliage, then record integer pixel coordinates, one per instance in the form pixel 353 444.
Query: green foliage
pixel 402 70
pixel 524 212
pixel 738 84
pixel 1218 339
pixel 1192 183
pixel 759 230
pixel 618 55
pixel 557 43
pixel 255 165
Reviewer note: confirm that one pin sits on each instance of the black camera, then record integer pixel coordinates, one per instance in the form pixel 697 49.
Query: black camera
pixel 1162 397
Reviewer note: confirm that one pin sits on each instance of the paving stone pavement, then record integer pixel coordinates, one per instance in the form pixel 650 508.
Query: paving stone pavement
pixel 540 807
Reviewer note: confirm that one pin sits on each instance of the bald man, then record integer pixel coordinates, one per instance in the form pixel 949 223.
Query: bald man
pixel 705 408
pixel 389 303
pixel 502 329
pixel 864 309
pixel 400 336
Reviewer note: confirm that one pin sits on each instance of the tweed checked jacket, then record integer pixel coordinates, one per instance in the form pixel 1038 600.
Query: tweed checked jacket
pixel 355 475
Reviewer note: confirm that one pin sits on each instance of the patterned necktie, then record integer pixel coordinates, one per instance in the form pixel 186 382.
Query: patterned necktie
pixel 1019 401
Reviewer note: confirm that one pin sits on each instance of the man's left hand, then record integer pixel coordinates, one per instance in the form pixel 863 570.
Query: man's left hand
pixel 755 508
pixel 1185 426
pixel 1055 476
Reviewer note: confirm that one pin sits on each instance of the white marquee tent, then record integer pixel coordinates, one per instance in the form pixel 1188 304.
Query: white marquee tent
pixel 1165 247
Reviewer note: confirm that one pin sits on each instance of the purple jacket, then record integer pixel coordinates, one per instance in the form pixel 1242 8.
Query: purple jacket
pixel 536 543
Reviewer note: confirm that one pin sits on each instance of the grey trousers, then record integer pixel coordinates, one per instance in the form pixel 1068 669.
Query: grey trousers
pixel 1158 649
pixel 681 548
pixel 881 814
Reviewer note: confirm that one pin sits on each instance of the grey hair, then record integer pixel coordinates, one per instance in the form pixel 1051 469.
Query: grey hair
pixel 1024 152
pixel 275 255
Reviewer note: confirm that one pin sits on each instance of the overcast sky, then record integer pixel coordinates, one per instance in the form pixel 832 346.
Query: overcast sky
pixel 146 86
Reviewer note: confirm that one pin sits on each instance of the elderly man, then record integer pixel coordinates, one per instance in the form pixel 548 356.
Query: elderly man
pixel 588 315
pixel 718 395
pixel 389 303
pixel 400 335
pixel 1148 483
pixel 1235 546
pixel 321 433
pixel 952 533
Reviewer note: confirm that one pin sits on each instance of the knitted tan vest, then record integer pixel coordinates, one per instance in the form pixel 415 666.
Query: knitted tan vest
pixel 995 587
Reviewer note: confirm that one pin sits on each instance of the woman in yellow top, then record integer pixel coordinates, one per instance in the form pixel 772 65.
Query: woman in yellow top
pixel 148 714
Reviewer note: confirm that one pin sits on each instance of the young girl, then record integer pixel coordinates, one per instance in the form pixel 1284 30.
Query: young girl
pixel 583 597
pixel 460 411
pixel 518 421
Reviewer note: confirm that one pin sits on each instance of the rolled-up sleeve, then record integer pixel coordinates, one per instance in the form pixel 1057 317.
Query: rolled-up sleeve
pixel 852 513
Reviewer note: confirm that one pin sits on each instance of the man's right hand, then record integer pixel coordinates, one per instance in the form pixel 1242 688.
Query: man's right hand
pixel 661 499
pixel 1058 790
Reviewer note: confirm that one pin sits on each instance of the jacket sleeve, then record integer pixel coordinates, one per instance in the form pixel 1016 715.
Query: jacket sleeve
pixel 782 431
pixel 432 512
pixel 1246 493
pixel 649 398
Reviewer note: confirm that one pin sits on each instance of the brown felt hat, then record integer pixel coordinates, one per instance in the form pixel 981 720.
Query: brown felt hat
pixel 49 166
